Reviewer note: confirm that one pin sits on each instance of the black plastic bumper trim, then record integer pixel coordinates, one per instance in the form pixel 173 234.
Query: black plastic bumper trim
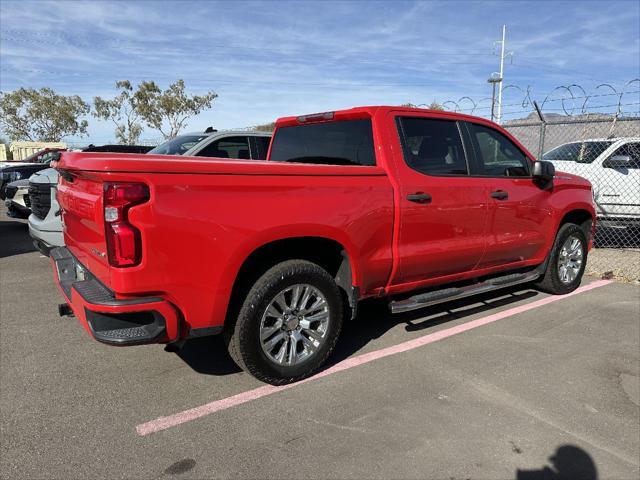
pixel 90 289
pixel 42 247
pixel 133 328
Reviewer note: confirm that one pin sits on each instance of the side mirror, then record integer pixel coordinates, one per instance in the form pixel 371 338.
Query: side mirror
pixel 543 171
pixel 617 161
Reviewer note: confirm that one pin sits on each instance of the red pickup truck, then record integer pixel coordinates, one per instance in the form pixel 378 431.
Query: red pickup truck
pixel 414 205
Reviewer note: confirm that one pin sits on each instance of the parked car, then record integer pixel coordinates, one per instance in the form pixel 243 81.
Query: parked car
pixel 612 165
pixel 17 199
pixel 12 171
pixel 413 205
pixel 35 156
pixel 212 143
pixel 45 225
pixel 233 144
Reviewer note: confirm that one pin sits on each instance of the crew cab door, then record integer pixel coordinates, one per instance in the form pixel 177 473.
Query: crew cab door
pixel 520 222
pixel 442 210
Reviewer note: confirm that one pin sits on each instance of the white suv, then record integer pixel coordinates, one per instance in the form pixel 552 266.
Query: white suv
pixel 612 165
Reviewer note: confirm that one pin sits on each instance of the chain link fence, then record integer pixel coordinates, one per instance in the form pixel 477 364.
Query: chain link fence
pixel 606 151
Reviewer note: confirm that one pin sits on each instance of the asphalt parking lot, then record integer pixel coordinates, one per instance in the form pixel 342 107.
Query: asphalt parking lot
pixel 536 388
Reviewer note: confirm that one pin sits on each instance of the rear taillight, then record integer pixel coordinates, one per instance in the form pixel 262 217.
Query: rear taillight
pixel 124 246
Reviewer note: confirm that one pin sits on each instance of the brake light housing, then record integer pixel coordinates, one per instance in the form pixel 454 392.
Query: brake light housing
pixel 316 117
pixel 124 244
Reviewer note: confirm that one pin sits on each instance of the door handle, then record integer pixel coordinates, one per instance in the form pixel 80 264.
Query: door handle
pixel 500 195
pixel 419 197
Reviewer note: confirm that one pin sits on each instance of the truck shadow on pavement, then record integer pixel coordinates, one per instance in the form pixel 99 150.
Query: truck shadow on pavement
pixel 374 319
pixel 568 463
pixel 14 238
pixel 209 355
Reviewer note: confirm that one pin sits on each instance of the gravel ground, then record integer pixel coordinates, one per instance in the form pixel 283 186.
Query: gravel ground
pixel 624 264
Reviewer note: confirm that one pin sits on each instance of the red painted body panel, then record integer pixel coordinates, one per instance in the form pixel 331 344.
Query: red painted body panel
pixel 193 250
pixel 206 216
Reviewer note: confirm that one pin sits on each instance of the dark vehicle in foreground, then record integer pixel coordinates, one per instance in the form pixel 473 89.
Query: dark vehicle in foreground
pixel 413 205
pixel 12 171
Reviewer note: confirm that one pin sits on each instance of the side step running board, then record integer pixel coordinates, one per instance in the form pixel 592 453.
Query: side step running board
pixel 448 294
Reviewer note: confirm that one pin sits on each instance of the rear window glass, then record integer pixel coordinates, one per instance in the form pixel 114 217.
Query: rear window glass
pixel 347 142
pixel 581 152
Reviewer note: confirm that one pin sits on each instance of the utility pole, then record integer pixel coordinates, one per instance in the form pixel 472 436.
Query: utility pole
pixel 504 34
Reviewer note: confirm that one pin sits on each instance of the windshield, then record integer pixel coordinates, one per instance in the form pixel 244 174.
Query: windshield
pixel 581 152
pixel 178 145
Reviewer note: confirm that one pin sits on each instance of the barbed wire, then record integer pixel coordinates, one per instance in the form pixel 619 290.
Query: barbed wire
pixel 574 98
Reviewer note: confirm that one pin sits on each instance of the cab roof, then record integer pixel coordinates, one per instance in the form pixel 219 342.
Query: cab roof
pixel 368 112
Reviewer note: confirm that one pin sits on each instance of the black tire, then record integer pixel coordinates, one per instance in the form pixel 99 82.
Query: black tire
pixel 550 281
pixel 243 335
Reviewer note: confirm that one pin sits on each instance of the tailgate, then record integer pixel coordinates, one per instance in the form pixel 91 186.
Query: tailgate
pixel 80 195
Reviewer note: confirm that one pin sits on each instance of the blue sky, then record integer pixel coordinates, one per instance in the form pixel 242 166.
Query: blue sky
pixel 270 59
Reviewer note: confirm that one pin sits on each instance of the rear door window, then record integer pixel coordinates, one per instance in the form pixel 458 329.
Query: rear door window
pixel 345 142
pixel 230 147
pixel 432 146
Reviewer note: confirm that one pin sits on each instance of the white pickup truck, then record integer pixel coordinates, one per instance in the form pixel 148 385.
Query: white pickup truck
pixel 612 165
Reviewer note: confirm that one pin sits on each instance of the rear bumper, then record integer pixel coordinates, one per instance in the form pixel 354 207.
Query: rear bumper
pixel 131 321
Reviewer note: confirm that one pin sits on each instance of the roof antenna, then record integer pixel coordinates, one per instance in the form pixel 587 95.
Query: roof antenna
pixel 210 130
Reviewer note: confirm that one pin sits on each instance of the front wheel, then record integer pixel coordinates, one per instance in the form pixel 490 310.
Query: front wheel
pixel 288 324
pixel 567 261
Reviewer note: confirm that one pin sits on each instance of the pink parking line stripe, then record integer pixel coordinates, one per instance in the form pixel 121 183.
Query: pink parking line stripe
pixel 164 423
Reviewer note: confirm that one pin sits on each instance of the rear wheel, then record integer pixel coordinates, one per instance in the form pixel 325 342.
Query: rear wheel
pixel 567 261
pixel 288 324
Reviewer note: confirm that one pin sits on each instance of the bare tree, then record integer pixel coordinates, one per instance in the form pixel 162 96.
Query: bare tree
pixel 123 112
pixel 169 110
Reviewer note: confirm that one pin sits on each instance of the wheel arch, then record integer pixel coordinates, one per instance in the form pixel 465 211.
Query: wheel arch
pixel 581 217
pixel 326 252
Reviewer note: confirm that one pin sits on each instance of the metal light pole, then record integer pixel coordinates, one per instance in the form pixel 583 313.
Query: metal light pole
pixel 493 79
